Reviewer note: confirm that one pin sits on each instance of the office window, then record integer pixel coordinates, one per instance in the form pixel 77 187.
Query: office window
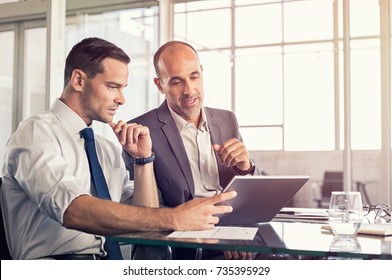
pixel 309 99
pixel 193 25
pixel 34 91
pixel 365 95
pixel 285 65
pixel 308 20
pixel 261 22
pixel 268 137
pixel 218 85
pixel 6 88
pixel 259 86
pixel 364 18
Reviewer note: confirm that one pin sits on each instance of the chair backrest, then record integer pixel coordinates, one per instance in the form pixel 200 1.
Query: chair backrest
pixel 333 181
pixel 4 252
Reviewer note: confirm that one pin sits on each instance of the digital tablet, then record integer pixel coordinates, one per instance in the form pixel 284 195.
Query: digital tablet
pixel 260 198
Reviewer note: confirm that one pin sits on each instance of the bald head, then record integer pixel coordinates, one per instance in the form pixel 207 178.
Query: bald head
pixel 170 48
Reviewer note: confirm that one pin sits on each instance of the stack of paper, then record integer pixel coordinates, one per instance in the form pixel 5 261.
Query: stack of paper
pixel 303 214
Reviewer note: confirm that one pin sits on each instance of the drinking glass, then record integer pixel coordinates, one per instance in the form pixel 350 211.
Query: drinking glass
pixel 345 213
pixel 345 244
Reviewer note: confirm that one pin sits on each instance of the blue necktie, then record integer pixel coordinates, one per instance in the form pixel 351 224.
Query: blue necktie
pixel 99 182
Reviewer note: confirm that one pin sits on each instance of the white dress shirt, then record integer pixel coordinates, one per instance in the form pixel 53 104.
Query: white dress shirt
pixel 45 169
pixel 201 155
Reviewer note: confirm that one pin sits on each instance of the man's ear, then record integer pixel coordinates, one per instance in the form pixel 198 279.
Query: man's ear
pixel 158 83
pixel 78 78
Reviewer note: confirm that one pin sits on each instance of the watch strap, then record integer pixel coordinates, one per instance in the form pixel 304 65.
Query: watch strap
pixel 143 161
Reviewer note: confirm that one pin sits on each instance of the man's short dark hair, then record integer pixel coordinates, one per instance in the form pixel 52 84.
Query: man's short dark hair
pixel 88 54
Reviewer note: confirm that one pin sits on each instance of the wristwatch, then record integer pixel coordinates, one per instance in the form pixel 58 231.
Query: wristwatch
pixel 143 161
pixel 251 170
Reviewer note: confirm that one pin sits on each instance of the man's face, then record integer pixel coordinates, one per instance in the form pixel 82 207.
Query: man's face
pixel 103 94
pixel 181 80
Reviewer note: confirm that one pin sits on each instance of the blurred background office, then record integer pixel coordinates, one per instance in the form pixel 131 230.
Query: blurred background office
pixel 309 80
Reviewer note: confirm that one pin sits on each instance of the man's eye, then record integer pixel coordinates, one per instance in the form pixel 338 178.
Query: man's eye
pixel 175 82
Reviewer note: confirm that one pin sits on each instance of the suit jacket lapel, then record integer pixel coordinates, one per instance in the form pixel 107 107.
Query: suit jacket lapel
pixel 216 138
pixel 177 146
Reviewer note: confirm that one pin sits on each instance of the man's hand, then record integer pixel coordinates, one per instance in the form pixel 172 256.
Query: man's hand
pixel 199 213
pixel 134 138
pixel 233 153
pixel 235 255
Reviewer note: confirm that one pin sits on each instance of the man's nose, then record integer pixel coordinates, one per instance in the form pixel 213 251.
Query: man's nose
pixel 120 97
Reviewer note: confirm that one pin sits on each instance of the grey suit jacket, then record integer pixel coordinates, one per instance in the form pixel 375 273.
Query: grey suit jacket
pixel 171 166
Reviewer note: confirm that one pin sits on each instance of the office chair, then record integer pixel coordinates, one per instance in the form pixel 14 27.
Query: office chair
pixel 4 252
pixel 333 181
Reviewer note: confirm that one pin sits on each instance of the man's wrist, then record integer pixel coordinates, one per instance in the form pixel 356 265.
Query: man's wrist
pixel 143 161
pixel 251 170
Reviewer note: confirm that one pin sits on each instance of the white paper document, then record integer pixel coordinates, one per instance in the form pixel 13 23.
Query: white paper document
pixel 289 213
pixel 240 233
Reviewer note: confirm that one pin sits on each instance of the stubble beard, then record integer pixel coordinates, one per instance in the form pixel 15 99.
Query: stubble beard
pixel 91 111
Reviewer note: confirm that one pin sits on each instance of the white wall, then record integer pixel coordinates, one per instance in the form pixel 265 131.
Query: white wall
pixel 366 168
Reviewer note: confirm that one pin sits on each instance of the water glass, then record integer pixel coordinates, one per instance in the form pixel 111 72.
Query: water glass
pixel 345 244
pixel 345 213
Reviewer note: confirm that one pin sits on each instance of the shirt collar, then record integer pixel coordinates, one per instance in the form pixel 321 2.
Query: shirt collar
pixel 71 121
pixel 181 123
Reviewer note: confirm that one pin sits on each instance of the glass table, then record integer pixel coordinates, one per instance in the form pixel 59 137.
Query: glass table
pixel 301 239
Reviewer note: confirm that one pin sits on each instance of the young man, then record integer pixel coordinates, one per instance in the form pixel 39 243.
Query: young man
pixel 198 150
pixel 47 196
